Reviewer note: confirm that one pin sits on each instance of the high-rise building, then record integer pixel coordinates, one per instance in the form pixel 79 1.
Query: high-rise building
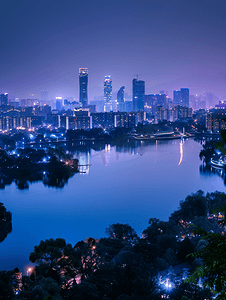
pixel 138 94
pixel 107 93
pixel 4 99
pixel 121 95
pixel 150 103
pixel 184 97
pixel 177 97
pixel 121 99
pixel 83 85
pixel 59 103
pixel 181 97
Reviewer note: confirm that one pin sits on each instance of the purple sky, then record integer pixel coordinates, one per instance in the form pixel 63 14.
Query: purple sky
pixel 171 43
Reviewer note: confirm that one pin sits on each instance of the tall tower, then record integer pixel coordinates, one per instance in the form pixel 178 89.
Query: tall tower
pixel 83 84
pixel 138 95
pixel 107 93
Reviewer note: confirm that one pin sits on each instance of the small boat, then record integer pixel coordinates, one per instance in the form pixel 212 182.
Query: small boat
pixel 217 163
pixel 144 137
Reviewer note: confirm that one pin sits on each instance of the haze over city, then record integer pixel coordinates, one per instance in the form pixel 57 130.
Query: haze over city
pixel 171 44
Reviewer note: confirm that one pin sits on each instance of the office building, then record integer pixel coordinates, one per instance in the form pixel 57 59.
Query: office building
pixel 151 103
pixel 216 120
pixel 59 103
pixel 138 95
pixel 121 99
pixel 177 97
pixel 107 94
pixel 181 97
pixel 184 97
pixel 121 95
pixel 4 99
pixel 83 86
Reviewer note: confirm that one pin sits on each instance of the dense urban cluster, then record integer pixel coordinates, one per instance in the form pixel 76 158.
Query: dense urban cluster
pixel 112 109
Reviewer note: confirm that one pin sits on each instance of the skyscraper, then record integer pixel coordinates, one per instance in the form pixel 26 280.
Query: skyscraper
pixel 83 84
pixel 121 105
pixel 59 103
pixel 181 97
pixel 184 97
pixel 121 95
pixel 4 99
pixel 107 93
pixel 177 97
pixel 138 94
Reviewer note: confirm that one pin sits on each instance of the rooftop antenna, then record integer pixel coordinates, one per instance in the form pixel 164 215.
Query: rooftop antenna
pixel 136 75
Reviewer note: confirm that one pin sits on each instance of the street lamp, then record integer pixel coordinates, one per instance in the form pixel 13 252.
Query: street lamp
pixel 29 271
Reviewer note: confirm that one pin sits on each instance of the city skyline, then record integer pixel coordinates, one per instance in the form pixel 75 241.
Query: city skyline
pixel 172 44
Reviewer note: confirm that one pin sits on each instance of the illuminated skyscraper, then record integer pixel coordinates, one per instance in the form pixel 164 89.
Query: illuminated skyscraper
pixel 107 93
pixel 59 103
pixel 83 85
pixel 138 95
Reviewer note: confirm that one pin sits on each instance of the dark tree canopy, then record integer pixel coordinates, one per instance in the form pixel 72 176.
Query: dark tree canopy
pixel 194 205
pixel 122 232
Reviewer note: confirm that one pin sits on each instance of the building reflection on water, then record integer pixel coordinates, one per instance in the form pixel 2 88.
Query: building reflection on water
pixel 181 151
pixel 107 154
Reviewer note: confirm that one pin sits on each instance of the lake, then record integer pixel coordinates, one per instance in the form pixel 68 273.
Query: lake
pixel 123 184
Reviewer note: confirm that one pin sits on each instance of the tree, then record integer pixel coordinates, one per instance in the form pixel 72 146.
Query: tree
pixel 185 248
pixel 87 256
pixel 213 268
pixel 5 222
pixel 6 291
pixel 187 291
pixel 55 255
pixel 194 205
pixel 122 232
pixel 108 248
pixel 41 289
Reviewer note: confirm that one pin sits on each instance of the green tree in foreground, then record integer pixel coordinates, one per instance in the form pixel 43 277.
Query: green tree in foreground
pixel 213 269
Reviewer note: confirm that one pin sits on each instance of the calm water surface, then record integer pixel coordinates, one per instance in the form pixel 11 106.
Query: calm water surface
pixel 125 186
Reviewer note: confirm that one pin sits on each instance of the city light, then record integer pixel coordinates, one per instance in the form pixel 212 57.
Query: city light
pixel 29 270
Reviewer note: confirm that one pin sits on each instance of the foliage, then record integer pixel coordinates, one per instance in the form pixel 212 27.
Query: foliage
pixel 5 222
pixel 122 232
pixel 194 205
pixel 6 290
pixel 214 262
pixel 57 256
pixel 190 291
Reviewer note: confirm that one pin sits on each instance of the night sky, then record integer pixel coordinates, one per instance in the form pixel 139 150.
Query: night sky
pixel 171 43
